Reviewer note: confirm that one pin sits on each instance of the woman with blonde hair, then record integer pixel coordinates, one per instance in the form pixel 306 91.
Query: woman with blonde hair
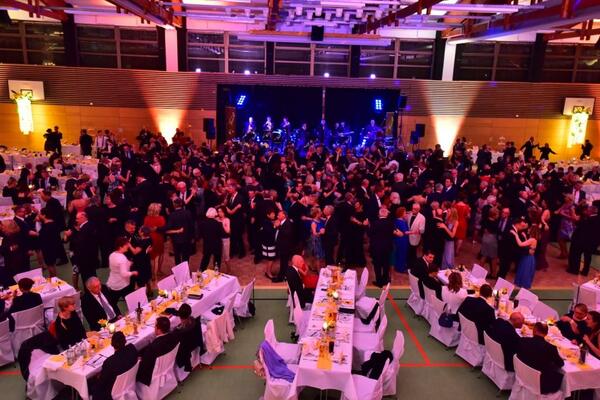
pixel 68 327
pixel 450 226
pixel 154 221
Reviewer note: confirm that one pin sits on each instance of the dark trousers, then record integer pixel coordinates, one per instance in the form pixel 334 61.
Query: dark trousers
pixel 284 262
pixel 411 255
pixel 181 252
pixel 328 249
pixel 505 262
pixel 237 238
pixel 216 253
pixel 575 253
pixel 117 295
pixel 342 249
pixel 381 266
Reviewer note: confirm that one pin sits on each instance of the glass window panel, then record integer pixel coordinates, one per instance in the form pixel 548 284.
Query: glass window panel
pixel 206 51
pixel 246 53
pixel 87 46
pixel 206 65
pixel 334 70
pixel 523 49
pixel 331 54
pixel 473 74
pixel 93 60
pixel 97 33
pixel 10 42
pixel 196 37
pixel 558 63
pixel 391 47
pixel 43 29
pixel 512 75
pixel 233 40
pixel 414 73
pixel 46 44
pixel 589 51
pixel 252 66
pixel 513 62
pixel 560 50
pixel 589 63
pixel 481 48
pixel 11 57
pixel 44 58
pixel 588 76
pixel 136 48
pixel 379 71
pixel 557 76
pixel 292 69
pixel 376 58
pixel 414 59
pixel 416 46
pixel 12 28
pixel 292 55
pixel 140 62
pixel 475 61
pixel 299 45
pixel 138 34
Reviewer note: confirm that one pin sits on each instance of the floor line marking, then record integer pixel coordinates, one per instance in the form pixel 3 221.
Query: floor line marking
pixel 409 330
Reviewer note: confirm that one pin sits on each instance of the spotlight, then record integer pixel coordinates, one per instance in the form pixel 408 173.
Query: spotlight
pixel 241 100
pixel 246 72
pixel 372 76
pixel 198 69
pixel 326 74
pixel 378 105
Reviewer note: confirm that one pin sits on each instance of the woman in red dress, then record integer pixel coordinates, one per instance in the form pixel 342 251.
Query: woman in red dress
pixel 154 220
pixel 464 213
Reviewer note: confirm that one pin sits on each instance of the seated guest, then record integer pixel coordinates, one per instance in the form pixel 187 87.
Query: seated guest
pixel 454 294
pixel 431 281
pixel 294 280
pixel 478 310
pixel 592 338
pixel 95 304
pixel 189 335
pixel 573 325
pixel 68 326
pixel 542 356
pixel 421 266
pixel 25 301
pixel 164 343
pixel 124 358
pixel 504 332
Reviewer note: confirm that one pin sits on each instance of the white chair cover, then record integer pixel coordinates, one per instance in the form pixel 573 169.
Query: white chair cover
pixel 478 272
pixel 240 305
pixel 290 305
pixel 365 304
pixel 28 323
pixel 364 343
pixel 124 386
pixel 361 289
pixel 390 375
pixel 39 386
pixel 448 336
pixel 527 298
pixel 527 384
pixel 414 299
pixel 544 311
pixel 182 273
pixel 300 317
pixel 32 274
pixel 133 298
pixel 168 283
pixel 289 352
pixel 180 373
pixel 369 389
pixel 6 352
pixel 163 378
pixel 359 326
pixel 504 284
pixel 469 348
pixel 588 297
pixel 278 389
pixel 493 365
pixel 427 314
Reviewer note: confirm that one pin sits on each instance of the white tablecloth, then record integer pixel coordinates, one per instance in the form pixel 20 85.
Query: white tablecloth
pixel 77 375
pixel 72 149
pixel 339 377
pixel 50 292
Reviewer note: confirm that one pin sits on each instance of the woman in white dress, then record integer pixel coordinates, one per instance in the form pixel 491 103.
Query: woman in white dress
pixel 222 218
pixel 454 294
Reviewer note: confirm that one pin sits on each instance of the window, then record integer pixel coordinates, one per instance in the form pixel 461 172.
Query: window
pixel 415 59
pixel 246 56
pixel 493 61
pixel 206 52
pixel 32 43
pixel 332 59
pixel 292 58
pixel 378 60
pixel 559 63
pixel 97 47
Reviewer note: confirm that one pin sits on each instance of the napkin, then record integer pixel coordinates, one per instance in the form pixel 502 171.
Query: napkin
pixel 324 363
pixel 55 362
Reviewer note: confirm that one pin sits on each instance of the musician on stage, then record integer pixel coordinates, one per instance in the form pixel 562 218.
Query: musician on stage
pixel 267 127
pixel 323 133
pixel 303 134
pixel 372 132
pixel 249 126
pixel 286 126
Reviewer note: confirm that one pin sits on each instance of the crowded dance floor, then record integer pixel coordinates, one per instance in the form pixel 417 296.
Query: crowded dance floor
pixel 297 200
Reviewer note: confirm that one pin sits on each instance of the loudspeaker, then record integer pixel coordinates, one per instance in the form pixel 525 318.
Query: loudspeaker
pixel 317 33
pixel 420 129
pixel 414 137
pixel 4 18
pixel 209 128
pixel 402 102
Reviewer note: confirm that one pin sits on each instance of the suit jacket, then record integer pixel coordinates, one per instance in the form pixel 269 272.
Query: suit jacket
pixel 23 302
pixel 84 244
pixel 115 365
pixel 144 194
pixel 92 309
pixel 537 353
pixel 296 286
pixel 329 238
pixel 190 338
pixel 418 225
pixel 180 218
pixel 480 312
pixel 160 346
pixel 419 268
pixel 40 183
pixel 450 194
pixel 284 242
pixel 372 208
pixel 505 334
pixel 431 283
pixel 381 236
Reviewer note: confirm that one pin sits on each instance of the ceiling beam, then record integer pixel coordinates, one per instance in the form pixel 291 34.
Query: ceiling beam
pixel 34 9
pixel 149 10
pixel 274 7
pixel 390 19
pixel 528 20
pixel 578 33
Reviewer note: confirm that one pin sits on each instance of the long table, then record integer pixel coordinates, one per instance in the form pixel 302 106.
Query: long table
pixel 337 374
pixel 77 375
pixel 49 290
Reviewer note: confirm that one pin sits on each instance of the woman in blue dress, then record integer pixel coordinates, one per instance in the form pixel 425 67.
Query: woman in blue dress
pixel 400 240
pixel 450 226
pixel 526 266
pixel 317 229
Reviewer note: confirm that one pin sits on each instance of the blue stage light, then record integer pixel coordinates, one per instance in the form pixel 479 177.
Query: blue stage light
pixel 241 100
pixel 378 105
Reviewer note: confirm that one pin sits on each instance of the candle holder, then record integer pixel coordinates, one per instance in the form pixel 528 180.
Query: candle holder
pixel 111 328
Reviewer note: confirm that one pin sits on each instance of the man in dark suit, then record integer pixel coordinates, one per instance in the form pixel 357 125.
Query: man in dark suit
pixel 27 233
pixel 85 143
pixel 504 333
pixel 43 180
pixel 584 242
pixel 144 193
pixel 84 245
pixel 478 310
pixel 373 204
pixel 330 237
pixel 431 281
pixel 528 148
pixel 235 211
pixel 95 304
pixel 180 227
pixel 542 356
pixel 298 213
pixel 284 243
pixel 25 301
pixel 164 343
pixel 450 192
pixel 511 251
pixel 124 358
pixel 381 236
pixel 421 265
pixel 295 284
pixel 586 149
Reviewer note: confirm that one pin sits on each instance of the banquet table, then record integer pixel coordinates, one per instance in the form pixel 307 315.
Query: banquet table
pixel 467 279
pixel 72 149
pixel 337 372
pixel 77 375
pixel 49 290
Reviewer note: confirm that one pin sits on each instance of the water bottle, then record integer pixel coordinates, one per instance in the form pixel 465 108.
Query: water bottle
pixel 70 360
pixel 582 353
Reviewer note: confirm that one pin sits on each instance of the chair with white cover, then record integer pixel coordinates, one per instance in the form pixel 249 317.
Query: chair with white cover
pixel 289 352
pixel 6 352
pixel 163 378
pixel 389 376
pixel 478 272
pixel 277 389
pixel 168 283
pixel 447 336
pixel 28 323
pixel 414 299
pixel 39 386
pixel 301 317
pixel 589 297
pixel 290 306
pixel 371 327
pixel 227 304
pixel 216 333
pixel 240 305
pixel 32 274
pixel 469 348
pixel 124 386
pixel 367 388
pixel 527 384
pixel 427 314
pixel 361 288
pixel 135 297
pixel 504 284
pixel 359 326
pixel 366 343
pixel 493 364
pixel 544 311
pixel 182 273
pixel 527 299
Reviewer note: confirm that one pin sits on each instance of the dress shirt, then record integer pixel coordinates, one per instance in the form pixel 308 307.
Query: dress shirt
pixel 120 274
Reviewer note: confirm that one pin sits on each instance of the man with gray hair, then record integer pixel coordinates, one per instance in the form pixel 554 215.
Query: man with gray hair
pixel 95 304
pixel 504 333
